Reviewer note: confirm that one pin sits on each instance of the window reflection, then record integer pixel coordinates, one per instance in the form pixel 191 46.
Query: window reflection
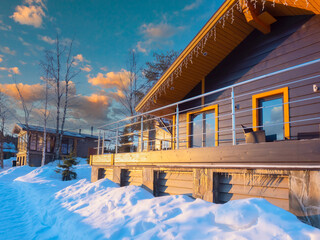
pixel 202 129
pixel 271 118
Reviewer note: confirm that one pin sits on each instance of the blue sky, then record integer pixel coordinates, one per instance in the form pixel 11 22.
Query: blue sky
pixel 103 31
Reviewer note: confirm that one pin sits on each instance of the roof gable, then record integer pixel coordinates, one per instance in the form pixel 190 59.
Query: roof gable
pixel 226 29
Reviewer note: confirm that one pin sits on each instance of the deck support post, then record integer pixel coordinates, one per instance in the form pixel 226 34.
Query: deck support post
pixel 177 127
pixel 141 135
pixel 99 136
pixel 233 109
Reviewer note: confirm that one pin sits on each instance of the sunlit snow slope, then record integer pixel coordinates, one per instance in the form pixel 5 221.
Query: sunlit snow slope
pixel 36 204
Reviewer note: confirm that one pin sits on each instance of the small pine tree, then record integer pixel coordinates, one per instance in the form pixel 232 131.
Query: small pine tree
pixel 67 167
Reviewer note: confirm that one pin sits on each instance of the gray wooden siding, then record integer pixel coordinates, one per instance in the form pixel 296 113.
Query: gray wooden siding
pixel 292 41
pixel 233 186
pixel 173 183
pixel 131 177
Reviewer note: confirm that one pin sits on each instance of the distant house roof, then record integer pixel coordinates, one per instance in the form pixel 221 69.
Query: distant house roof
pixel 18 127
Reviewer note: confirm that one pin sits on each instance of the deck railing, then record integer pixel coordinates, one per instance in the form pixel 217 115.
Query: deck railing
pixel 169 131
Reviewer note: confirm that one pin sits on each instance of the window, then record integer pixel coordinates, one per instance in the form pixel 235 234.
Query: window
pixel 202 127
pixel 33 141
pixel 64 146
pixel 165 144
pixel 271 114
pixel 145 145
pixel 40 142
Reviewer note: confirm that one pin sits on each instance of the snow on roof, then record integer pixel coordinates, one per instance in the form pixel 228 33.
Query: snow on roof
pixel 53 131
pixel 9 147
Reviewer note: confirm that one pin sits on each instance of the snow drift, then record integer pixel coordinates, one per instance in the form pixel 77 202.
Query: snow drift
pixel 36 204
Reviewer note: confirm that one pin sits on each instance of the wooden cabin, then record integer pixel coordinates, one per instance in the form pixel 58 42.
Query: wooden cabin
pixel 244 102
pixel 80 144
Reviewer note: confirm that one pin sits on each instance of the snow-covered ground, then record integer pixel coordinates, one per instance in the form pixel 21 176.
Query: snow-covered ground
pixel 36 204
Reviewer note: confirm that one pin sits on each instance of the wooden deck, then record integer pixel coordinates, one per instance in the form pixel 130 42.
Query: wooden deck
pixel 289 154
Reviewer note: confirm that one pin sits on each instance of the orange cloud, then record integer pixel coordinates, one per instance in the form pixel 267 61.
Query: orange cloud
pixel 86 68
pixel 79 57
pixel 90 108
pixel 7 50
pixel 109 80
pixel 30 93
pixel 29 15
pixel 14 70
pixel 47 39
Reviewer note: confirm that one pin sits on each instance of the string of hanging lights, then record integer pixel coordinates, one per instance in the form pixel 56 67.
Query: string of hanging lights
pixel 198 49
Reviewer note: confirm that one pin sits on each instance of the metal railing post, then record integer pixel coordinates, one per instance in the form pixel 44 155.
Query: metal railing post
pixel 104 136
pixel 99 136
pixel 117 135
pixel 233 109
pixel 141 136
pixel 177 127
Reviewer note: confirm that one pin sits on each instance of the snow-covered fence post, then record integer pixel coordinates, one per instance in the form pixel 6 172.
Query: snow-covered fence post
pixel 233 109
pixel 104 136
pixel 99 136
pixel 117 135
pixel 141 135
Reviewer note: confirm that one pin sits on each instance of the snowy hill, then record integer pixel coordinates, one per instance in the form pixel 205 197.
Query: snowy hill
pixel 36 204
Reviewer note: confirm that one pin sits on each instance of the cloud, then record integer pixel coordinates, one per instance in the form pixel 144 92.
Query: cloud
pixel 104 69
pixel 4 27
pixel 277 114
pixel 91 108
pixel 31 93
pixel 110 80
pixel 30 14
pixel 162 30
pixel 192 5
pixel 156 35
pixel 14 70
pixel 24 42
pixel 79 58
pixel 7 50
pixel 140 48
pixel 1 58
pixel 47 39
pixel 86 68
pixel 22 62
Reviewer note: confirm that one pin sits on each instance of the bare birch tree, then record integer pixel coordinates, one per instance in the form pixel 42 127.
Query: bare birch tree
pixel 3 117
pixel 45 118
pixel 27 112
pixel 129 99
pixel 59 64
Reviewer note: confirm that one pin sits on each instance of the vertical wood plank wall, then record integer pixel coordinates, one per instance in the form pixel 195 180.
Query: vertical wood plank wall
pixel 292 41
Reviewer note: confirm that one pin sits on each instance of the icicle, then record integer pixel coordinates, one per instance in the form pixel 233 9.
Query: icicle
pixel 263 4
pixel 232 16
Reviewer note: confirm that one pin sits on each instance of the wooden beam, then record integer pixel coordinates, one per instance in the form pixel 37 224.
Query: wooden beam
pixel 255 18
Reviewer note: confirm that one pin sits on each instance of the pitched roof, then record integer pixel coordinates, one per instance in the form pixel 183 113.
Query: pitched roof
pixel 225 30
pixel 18 127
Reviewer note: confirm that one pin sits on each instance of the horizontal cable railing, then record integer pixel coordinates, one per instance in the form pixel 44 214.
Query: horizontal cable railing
pixel 174 130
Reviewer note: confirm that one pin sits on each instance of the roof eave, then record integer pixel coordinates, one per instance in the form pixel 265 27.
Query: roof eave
pixel 206 28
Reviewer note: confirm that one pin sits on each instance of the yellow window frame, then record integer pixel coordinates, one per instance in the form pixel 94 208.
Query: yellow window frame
pixel 205 109
pixel 255 111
